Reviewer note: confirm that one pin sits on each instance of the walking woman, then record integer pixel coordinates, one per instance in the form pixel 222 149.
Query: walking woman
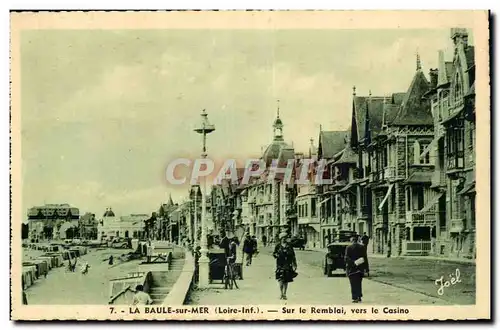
pixel 286 264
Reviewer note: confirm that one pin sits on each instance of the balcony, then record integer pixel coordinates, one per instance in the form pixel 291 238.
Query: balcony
pixel 417 248
pixel 421 219
pixel 456 225
pixel 378 219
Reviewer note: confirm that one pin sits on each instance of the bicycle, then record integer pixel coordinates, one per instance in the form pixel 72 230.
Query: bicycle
pixel 229 275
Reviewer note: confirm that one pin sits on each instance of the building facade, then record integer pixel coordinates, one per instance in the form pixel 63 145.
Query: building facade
pixel 45 222
pixel 129 226
pixel 453 147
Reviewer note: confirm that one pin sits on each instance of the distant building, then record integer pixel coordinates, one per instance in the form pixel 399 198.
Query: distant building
pixel 88 226
pixel 45 221
pixel 129 226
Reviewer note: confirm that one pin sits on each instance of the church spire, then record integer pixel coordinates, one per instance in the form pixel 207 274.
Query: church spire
pixel 419 64
pixel 278 125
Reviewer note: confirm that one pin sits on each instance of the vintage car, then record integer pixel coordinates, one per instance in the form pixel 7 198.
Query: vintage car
pixel 334 258
pixel 298 242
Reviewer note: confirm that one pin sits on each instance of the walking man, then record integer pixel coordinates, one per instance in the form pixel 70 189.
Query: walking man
pixel 356 265
pixel 248 248
pixel 365 240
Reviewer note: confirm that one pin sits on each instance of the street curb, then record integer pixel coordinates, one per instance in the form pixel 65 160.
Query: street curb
pixel 379 256
pixel 405 288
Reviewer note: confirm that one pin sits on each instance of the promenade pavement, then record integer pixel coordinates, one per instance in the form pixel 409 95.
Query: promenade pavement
pixel 309 287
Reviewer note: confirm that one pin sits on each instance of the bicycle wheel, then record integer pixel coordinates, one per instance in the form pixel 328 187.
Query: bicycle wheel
pixel 226 278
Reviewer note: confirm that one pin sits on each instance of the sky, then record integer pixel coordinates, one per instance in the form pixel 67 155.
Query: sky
pixel 103 112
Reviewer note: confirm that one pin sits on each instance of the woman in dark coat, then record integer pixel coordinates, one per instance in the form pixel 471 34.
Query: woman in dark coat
pixel 286 264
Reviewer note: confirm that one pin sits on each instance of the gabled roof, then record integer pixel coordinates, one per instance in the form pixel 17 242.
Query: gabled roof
pixel 330 143
pixel 398 98
pixel 373 105
pixel 415 110
pixel 348 156
pixel 390 112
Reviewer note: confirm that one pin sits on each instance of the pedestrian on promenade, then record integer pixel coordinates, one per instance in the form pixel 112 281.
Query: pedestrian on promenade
pixel 264 240
pixel 25 299
pixel 255 245
pixel 286 264
pixel 365 240
pixel 224 243
pixel 197 255
pixel 85 268
pixel 149 252
pixel 356 264
pixel 141 297
pixel 248 249
pixel 110 262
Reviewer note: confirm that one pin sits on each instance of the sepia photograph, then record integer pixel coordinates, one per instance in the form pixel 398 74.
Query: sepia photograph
pixel 239 165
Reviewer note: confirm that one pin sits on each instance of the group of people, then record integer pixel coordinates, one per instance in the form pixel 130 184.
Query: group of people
pixel 356 263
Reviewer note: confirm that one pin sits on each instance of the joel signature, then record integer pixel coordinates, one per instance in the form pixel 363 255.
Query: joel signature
pixel 442 283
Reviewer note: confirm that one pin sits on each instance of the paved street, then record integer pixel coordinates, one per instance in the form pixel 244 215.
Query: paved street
pixel 65 288
pixel 414 274
pixel 310 287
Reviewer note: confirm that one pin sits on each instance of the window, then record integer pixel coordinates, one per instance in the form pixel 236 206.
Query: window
pixel 472 136
pixel 416 152
pixel 427 158
pixel 408 199
pixel 458 88
pixel 455 146
pixel 417 198
pixel 313 207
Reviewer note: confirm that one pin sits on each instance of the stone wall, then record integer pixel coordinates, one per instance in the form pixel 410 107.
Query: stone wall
pixel 401 157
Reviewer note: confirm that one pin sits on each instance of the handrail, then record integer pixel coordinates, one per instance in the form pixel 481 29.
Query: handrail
pixel 147 279
pixel 127 288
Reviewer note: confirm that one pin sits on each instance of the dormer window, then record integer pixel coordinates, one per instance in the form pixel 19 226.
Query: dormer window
pixel 458 88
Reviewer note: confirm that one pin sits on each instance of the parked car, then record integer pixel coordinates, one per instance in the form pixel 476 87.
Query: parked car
pixel 334 258
pixel 298 242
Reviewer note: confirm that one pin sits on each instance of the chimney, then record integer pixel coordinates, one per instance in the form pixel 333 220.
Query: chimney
pixel 433 74
pixel 459 35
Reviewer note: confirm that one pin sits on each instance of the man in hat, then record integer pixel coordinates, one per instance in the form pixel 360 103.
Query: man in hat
pixel 248 248
pixel 356 265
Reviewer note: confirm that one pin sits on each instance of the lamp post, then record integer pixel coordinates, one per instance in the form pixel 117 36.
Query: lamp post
pixel 204 128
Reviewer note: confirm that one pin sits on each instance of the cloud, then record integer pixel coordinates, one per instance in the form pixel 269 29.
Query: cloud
pixel 101 134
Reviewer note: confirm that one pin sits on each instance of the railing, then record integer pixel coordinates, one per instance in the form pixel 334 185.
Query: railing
pixel 456 225
pixel 427 218
pixel 417 248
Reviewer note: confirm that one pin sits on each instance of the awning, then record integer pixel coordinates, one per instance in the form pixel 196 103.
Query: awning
pixel 453 116
pixel 431 145
pixel 430 204
pixel 326 200
pixel 468 188
pixel 420 177
pixel 315 226
pixel 349 186
pixel 389 190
